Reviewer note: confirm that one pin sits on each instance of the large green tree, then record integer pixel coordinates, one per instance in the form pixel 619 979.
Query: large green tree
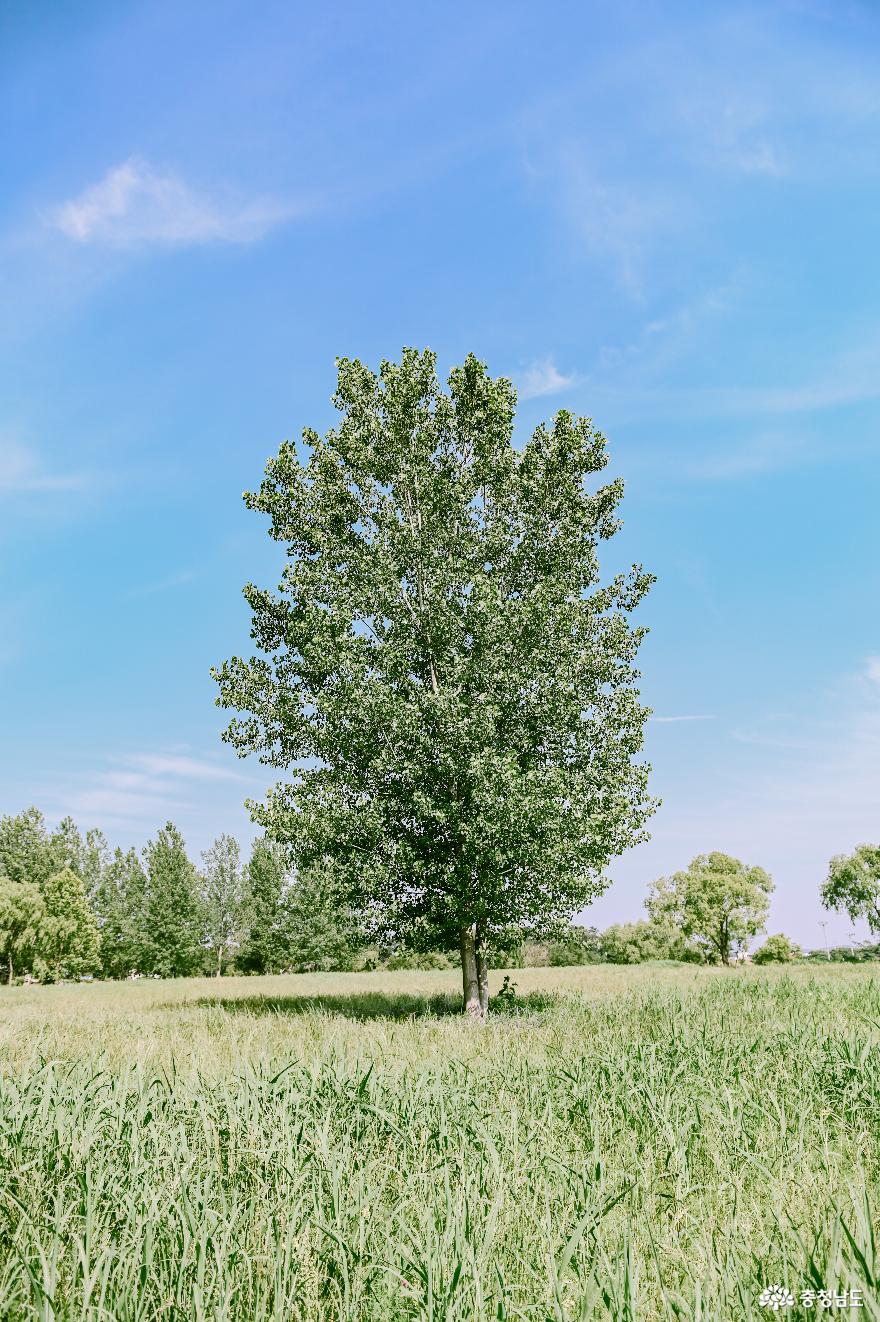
pixel 69 943
pixel 172 910
pixel 853 884
pixel 718 903
pixel 224 898
pixel 22 913
pixel 447 686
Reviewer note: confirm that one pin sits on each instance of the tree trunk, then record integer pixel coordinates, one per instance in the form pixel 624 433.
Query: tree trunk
pixel 219 960
pixel 482 970
pixel 9 957
pixel 469 974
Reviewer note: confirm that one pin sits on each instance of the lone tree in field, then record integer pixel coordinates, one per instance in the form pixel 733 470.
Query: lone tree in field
pixel 853 884
pixel 718 902
pixel 447 686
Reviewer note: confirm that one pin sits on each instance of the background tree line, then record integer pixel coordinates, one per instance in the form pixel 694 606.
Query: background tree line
pixel 72 907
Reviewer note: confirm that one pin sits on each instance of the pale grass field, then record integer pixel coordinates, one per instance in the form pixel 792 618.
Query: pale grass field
pixel 652 1142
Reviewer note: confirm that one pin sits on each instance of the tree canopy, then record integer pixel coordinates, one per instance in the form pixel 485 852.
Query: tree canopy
pixel 447 686
pixel 172 912
pixel 69 938
pixel 224 897
pixel 22 917
pixel 118 899
pixel 853 884
pixel 777 949
pixel 718 902
pixel 265 947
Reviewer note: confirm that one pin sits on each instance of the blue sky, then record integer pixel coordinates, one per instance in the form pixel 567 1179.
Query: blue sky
pixel 662 215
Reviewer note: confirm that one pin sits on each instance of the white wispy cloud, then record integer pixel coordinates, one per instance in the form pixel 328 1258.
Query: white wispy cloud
pixel 136 203
pixel 619 220
pixel 820 786
pixel 769 427
pixel 724 123
pixel 765 453
pixel 543 377
pixel 811 793
pixel 141 790
pixel 740 96
pixel 181 766
pixel 179 578
pixel 22 471
pixel 672 720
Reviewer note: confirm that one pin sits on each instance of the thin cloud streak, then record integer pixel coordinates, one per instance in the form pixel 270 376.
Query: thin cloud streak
pixel 136 204
pixel 181 766
pixel 145 789
pixel 138 792
pixel 543 377
pixel 21 472
pixel 180 578
pixel 814 794
pixel 672 720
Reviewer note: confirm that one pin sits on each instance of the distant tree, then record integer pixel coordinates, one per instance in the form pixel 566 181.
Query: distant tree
pixel 579 945
pixel 26 853
pixel 863 952
pixel 853 884
pixel 634 943
pixel 224 898
pixel 22 913
pixel 69 943
pixel 448 688
pixel 718 902
pixel 777 949
pixel 119 906
pixel 67 848
pixel 423 960
pixel 95 859
pixel 265 947
pixel 507 949
pixel 172 913
pixel 318 932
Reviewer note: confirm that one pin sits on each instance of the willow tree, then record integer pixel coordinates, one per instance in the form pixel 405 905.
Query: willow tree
pixel 444 680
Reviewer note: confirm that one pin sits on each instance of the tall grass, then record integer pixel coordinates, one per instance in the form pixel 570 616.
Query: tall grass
pixel 625 1144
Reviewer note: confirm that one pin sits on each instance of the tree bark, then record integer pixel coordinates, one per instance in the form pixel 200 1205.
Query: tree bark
pixel 9 957
pixel 469 973
pixel 219 960
pixel 482 970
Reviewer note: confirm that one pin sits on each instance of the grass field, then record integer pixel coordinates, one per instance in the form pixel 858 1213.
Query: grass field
pixel 626 1143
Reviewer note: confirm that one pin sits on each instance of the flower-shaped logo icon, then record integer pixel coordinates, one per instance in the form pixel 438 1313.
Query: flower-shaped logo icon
pixel 776 1297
